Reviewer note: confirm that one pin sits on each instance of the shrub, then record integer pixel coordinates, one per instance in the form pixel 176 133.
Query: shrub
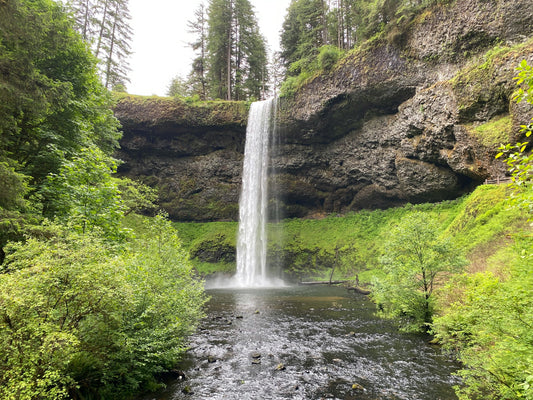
pixel 80 318
pixel 328 57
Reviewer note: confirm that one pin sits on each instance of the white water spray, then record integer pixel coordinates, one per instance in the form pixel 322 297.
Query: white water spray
pixel 253 204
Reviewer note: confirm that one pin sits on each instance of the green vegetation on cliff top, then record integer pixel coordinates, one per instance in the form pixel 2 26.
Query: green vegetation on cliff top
pixel 188 112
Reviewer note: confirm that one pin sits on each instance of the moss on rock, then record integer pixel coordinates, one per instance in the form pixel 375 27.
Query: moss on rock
pixel 155 110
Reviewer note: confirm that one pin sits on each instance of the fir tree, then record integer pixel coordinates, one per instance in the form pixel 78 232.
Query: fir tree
pixel 304 32
pixel 236 51
pixel 104 24
pixel 197 77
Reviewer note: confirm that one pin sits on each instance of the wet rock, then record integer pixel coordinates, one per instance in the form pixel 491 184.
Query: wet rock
pixel 174 374
pixel 187 390
pixel 357 386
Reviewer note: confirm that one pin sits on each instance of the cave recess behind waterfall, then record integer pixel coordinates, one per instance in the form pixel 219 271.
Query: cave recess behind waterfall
pixel 396 121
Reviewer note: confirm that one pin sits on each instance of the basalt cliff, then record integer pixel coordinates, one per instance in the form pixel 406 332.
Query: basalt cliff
pixel 415 115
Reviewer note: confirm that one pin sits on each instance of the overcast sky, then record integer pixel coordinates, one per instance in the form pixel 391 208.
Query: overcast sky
pixel 160 39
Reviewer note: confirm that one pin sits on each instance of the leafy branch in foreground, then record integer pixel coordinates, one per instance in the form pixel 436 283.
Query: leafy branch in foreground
pixel 520 155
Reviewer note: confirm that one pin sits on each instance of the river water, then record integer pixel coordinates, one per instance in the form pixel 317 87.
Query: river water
pixel 307 342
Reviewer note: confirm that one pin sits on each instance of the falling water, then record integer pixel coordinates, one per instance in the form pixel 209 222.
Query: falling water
pixel 253 204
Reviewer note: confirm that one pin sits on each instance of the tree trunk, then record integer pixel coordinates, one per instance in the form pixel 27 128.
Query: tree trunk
pixel 228 54
pixel 203 55
pixel 85 21
pixel 324 24
pixel 111 49
pixel 334 264
pixel 102 28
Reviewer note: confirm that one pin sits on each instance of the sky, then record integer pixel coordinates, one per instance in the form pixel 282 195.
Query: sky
pixel 160 38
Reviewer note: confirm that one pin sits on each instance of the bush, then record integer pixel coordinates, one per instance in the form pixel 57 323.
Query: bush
pixel 416 256
pixel 289 86
pixel 489 327
pixel 80 318
pixel 328 57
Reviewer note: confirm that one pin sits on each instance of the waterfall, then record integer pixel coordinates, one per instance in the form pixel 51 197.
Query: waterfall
pixel 253 204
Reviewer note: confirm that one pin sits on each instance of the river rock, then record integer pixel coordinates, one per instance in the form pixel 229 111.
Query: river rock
pixel 187 390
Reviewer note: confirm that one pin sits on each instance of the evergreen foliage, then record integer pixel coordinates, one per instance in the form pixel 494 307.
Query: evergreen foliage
pixel 236 52
pixel 310 25
pixel 303 33
pixel 178 88
pixel 197 81
pixel 51 102
pixel 104 25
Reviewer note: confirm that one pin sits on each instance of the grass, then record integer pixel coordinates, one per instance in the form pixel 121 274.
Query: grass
pixel 494 132
pixel 482 223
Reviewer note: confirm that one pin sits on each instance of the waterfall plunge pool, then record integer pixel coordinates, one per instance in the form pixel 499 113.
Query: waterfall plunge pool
pixel 307 342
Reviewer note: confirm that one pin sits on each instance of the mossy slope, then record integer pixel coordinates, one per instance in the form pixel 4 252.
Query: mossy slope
pixel 482 223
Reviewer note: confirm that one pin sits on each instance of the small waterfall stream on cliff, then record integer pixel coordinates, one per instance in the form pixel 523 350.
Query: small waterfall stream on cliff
pixel 253 204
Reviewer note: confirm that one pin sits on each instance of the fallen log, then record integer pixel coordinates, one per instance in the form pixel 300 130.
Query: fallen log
pixel 322 283
pixel 359 290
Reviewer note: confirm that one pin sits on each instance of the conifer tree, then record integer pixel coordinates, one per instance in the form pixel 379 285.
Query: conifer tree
pixel 236 51
pixel 197 77
pixel 104 24
pixel 116 47
pixel 304 31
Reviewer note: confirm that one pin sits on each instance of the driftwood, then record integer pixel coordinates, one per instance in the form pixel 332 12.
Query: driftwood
pixel 322 283
pixel 357 289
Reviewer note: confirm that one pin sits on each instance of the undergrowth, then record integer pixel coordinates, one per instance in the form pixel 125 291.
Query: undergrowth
pixel 480 223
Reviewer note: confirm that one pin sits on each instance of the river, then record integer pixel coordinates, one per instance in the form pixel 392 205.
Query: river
pixel 307 342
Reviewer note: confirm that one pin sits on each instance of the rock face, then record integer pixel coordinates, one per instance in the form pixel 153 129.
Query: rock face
pixel 193 155
pixel 403 119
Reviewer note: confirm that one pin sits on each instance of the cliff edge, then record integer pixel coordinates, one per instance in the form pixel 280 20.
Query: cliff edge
pixel 414 115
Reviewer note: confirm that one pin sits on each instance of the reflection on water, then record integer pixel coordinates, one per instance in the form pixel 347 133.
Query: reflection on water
pixel 306 343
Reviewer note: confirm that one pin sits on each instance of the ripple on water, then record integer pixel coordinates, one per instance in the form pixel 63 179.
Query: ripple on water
pixel 328 341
